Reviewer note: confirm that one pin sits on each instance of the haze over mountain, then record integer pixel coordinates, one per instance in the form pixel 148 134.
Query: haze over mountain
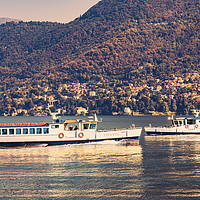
pixel 6 19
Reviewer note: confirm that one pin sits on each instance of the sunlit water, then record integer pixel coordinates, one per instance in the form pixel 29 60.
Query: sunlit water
pixel 161 167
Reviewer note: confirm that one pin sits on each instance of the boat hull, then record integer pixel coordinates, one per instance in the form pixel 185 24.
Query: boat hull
pixel 63 142
pixel 172 131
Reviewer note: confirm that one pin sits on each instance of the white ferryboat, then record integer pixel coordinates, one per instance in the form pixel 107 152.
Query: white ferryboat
pixel 61 132
pixel 179 126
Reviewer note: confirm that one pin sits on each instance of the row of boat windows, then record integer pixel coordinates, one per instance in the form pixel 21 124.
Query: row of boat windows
pixel 25 131
pixel 89 126
pixel 189 121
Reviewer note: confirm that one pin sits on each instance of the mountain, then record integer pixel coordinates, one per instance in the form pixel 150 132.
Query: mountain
pixel 129 41
pixel 5 19
pixel 119 34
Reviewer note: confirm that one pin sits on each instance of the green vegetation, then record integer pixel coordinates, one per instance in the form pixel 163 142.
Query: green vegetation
pixel 116 47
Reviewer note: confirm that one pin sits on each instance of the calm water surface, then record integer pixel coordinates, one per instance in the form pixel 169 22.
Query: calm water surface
pixel 161 167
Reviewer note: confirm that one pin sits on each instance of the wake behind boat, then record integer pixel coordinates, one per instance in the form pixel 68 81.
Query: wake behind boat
pixel 179 126
pixel 61 132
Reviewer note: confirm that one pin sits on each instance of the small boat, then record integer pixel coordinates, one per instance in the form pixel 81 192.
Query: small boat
pixel 61 132
pixel 179 126
pixel 129 142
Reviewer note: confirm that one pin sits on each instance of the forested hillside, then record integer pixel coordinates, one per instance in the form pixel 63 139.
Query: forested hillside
pixel 116 43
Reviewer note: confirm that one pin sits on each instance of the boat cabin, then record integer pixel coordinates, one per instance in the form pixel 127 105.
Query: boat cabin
pixel 80 125
pixel 24 128
pixel 186 121
pixel 179 122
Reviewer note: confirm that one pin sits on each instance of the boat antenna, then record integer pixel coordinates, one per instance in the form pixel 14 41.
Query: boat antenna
pixel 171 118
pixel 196 112
pixel 95 117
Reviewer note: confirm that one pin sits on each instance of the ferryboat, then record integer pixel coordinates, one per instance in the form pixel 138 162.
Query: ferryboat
pixel 61 132
pixel 179 126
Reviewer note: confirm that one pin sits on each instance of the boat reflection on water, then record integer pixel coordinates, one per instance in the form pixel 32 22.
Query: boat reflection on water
pixel 171 166
pixel 82 171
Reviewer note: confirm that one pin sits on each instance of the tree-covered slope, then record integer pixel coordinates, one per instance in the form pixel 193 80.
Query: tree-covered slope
pixel 115 38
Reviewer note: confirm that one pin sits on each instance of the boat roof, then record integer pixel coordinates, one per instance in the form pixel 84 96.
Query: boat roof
pixel 183 118
pixel 70 121
pixel 22 124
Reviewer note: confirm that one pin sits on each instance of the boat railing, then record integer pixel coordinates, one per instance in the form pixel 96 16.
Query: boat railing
pixel 123 129
pixel 169 126
pixel 116 129
pixel 105 130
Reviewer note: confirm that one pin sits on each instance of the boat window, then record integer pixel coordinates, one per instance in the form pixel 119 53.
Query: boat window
pixel 39 130
pixel 0 131
pixel 32 131
pixel 54 126
pixel 85 126
pixel 180 122
pixel 92 126
pixel 25 131
pixel 191 121
pixel 176 122
pixel 4 131
pixel 46 130
pixel 11 131
pixel 18 131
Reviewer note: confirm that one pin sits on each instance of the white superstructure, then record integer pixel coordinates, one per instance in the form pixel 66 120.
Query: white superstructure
pixel 60 132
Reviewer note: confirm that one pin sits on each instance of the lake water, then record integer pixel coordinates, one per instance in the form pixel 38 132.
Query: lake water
pixel 161 167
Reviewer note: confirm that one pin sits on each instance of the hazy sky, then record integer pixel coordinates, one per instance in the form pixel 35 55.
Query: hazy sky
pixel 45 10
